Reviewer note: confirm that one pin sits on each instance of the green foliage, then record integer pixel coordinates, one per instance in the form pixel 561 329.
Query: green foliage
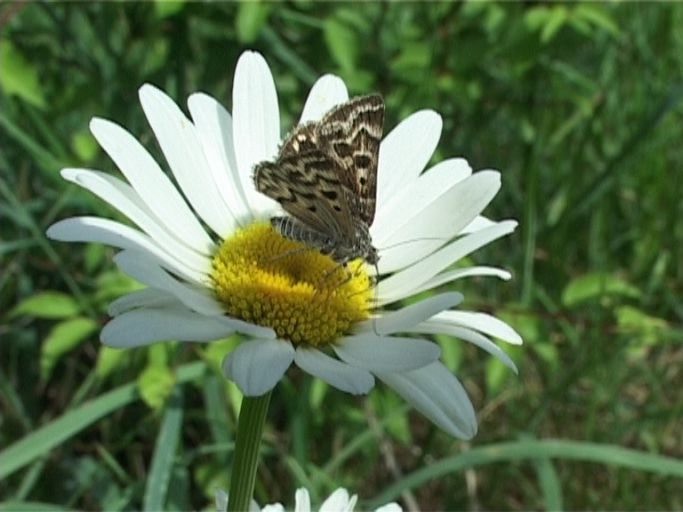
pixel 62 338
pixel 580 105
pixel 19 77
pixel 47 304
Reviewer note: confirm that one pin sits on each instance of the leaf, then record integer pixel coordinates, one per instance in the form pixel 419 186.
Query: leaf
pixel 108 360
pixel 63 337
pixel 251 17
pixel 165 8
pixel 18 76
pixel 557 17
pixel 496 376
pixel 595 285
pixel 598 17
pixel 155 384
pixel 342 43
pixel 47 304
pixel 84 145
pixel 647 329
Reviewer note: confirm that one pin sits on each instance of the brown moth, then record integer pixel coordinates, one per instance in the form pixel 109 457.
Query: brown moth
pixel 325 178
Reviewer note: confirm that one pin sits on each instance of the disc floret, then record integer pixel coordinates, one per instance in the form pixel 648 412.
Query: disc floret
pixel 305 296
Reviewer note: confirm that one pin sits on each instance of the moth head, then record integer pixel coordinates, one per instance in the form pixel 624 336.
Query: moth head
pixel 372 257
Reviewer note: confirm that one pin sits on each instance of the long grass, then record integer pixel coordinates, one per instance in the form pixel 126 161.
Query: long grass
pixel 581 108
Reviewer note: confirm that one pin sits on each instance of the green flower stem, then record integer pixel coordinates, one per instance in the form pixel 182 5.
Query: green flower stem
pixel 249 430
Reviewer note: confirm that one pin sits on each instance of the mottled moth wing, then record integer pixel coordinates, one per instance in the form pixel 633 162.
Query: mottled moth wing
pixel 301 139
pixel 325 178
pixel 351 133
pixel 307 187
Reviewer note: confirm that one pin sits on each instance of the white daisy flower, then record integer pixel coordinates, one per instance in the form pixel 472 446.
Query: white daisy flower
pixel 213 266
pixel 338 501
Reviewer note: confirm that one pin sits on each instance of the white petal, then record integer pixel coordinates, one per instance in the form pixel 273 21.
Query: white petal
pixel 183 151
pixel 246 328
pixel 386 354
pixel 433 224
pixel 403 283
pixel 440 327
pixel 146 270
pixel 409 316
pixel 215 131
pixel 327 92
pixel 482 322
pixel 338 374
pixel 256 124
pixel 275 507
pixel 144 326
pixel 302 500
pixel 256 366
pixel 151 183
pixel 479 222
pixel 105 231
pixel 338 501
pixel 122 197
pixel 452 275
pixel 436 393
pixel 425 189
pixel 405 151
pixel 390 507
pixel 145 298
pixel 221 498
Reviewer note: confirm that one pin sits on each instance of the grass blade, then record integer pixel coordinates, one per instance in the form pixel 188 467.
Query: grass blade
pixel 607 454
pixel 41 441
pixel 164 453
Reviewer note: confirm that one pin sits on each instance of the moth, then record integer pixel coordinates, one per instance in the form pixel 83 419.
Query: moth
pixel 325 178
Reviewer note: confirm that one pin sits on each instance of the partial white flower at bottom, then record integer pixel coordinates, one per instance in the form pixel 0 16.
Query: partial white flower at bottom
pixel 213 266
pixel 338 501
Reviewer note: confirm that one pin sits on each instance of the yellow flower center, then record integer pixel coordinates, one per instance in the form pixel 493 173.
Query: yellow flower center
pixel 305 296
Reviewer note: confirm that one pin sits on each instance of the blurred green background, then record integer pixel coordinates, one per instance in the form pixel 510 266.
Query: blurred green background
pixel 580 107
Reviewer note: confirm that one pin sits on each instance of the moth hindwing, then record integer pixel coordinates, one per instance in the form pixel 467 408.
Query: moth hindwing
pixel 325 178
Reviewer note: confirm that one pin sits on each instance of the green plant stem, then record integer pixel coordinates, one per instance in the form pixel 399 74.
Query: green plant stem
pixel 249 430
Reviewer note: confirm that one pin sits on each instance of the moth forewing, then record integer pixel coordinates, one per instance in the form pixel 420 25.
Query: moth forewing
pixel 325 177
